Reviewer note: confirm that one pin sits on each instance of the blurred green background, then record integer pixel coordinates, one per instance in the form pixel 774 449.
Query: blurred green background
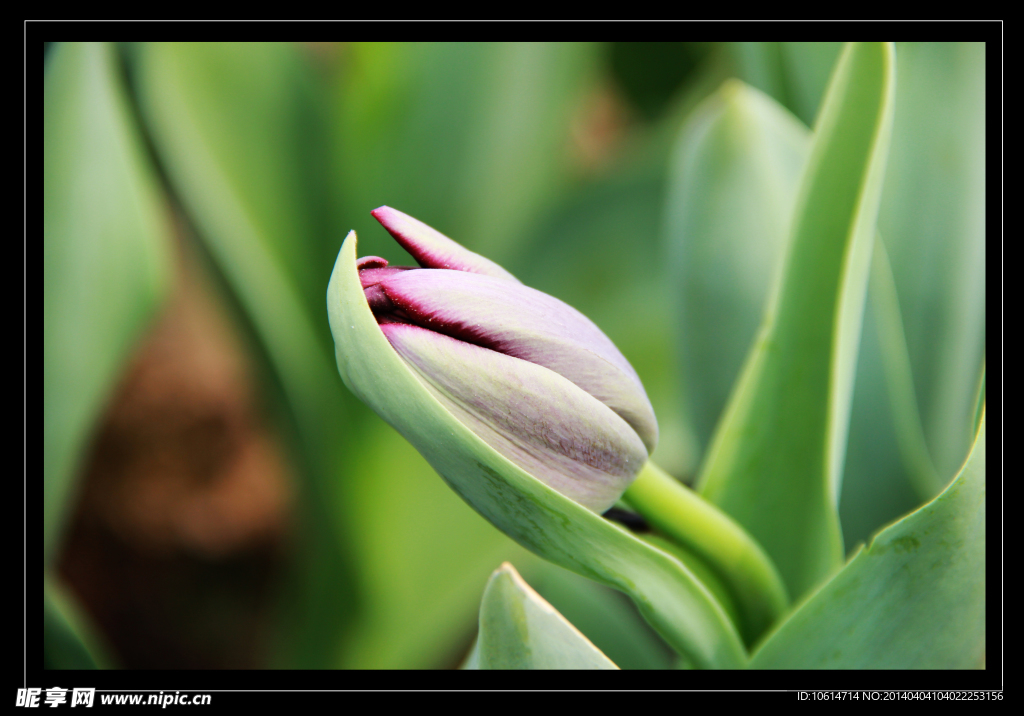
pixel 214 496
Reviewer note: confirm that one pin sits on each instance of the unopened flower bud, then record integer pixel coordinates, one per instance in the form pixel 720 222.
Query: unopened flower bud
pixel 531 376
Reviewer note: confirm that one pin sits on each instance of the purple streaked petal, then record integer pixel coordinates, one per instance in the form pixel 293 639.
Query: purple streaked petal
pixel 432 249
pixel 524 323
pixel 536 418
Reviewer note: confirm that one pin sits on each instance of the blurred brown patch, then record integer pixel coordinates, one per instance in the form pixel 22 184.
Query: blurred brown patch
pixel 599 129
pixel 184 512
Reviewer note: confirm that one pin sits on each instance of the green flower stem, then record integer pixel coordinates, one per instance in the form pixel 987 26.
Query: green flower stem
pixel 682 515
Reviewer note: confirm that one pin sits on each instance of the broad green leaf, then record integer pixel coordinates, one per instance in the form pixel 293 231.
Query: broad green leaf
pixel 732 184
pixel 734 177
pixel 105 257
pixel 254 111
pixel 932 219
pixel 914 598
pixel 674 602
pixel 776 459
pixel 519 630
pixel 229 122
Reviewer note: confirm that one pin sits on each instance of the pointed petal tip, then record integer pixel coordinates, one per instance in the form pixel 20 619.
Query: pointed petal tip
pixel 431 248
pixel 381 213
pixel 393 220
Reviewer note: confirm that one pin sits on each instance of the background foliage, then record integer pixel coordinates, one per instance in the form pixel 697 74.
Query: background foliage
pixel 199 443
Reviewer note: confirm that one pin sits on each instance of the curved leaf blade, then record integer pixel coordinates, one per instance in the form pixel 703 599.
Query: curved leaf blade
pixel 520 630
pixel 932 220
pixel 105 253
pixel 913 599
pixel 775 463
pixel 734 179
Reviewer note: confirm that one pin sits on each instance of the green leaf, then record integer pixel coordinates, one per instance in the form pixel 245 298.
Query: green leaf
pixel 519 630
pixel 229 122
pixel 932 219
pixel 673 601
pixel 776 459
pixel 906 439
pixel 734 177
pixel 733 181
pixel 913 599
pixel 105 253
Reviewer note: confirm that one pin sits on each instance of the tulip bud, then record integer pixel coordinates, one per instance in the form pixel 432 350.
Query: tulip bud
pixel 532 377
